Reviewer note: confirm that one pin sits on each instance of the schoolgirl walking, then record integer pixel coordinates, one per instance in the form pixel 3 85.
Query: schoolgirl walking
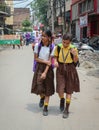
pixel 43 79
pixel 67 80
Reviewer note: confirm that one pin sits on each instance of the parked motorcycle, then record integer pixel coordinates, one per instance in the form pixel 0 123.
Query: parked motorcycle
pixel 82 45
pixel 85 40
pixel 86 47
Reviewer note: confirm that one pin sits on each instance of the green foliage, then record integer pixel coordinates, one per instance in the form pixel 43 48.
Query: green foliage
pixel 27 30
pixel 40 8
pixel 26 26
pixel 26 23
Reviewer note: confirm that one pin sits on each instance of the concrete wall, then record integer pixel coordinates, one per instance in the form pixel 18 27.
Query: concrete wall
pixel 74 11
pixel 20 14
pixel 77 30
pixel 9 20
pixel 68 5
pixel 97 6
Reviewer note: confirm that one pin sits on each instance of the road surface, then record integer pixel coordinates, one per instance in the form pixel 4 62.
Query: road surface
pixel 19 108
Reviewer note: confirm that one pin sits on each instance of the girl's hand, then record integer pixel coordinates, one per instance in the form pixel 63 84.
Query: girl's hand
pixel 73 51
pixel 75 55
pixel 56 64
pixel 43 75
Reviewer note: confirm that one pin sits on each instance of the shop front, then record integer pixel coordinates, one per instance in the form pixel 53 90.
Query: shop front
pixel 94 25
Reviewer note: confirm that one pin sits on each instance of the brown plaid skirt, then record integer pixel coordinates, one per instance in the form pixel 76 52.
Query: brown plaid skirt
pixel 67 79
pixel 43 86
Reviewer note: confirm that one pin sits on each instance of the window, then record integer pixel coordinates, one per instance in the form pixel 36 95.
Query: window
pixel 86 6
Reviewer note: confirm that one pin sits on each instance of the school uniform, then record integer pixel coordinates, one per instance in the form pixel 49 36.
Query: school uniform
pixel 67 80
pixel 43 86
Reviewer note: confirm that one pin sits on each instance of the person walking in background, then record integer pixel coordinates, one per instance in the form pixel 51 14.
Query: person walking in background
pixel 37 37
pixel 67 80
pixel 58 39
pixel 43 79
pixel 27 36
pixel 36 40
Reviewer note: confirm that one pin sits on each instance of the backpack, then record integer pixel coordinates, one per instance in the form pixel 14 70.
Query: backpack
pixel 72 46
pixel 39 48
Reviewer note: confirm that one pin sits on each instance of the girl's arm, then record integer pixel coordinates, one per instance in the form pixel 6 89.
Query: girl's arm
pixel 47 62
pixel 56 61
pixel 43 75
pixel 56 55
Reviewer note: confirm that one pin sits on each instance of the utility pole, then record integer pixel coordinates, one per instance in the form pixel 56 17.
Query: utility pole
pixel 64 16
pixel 52 16
pixel 61 16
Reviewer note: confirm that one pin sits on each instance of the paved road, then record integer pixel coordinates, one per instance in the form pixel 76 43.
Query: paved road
pixel 19 108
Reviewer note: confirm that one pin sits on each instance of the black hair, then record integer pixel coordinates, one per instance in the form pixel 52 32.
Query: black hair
pixel 48 33
pixel 67 36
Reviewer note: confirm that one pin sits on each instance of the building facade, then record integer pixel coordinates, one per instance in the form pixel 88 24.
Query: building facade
pixel 9 20
pixel 20 14
pixel 85 18
pixel 59 15
pixel 4 13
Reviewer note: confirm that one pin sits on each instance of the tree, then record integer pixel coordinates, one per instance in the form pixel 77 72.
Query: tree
pixel 40 8
pixel 26 25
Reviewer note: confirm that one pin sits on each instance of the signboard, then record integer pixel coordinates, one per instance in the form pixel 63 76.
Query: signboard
pixel 9 39
pixel 60 20
pixel 8 42
pixel 84 20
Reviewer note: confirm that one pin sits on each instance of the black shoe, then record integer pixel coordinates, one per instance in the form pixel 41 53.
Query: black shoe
pixel 45 111
pixel 65 114
pixel 62 102
pixel 41 103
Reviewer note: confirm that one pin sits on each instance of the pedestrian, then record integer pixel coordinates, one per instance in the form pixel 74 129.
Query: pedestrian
pixel 43 79
pixel 37 39
pixel 58 39
pixel 27 36
pixel 67 80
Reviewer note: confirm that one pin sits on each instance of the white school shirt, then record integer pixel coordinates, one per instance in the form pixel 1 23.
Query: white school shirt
pixel 44 52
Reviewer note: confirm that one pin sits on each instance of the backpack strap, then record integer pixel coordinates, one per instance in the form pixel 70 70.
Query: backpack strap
pixel 39 47
pixel 58 48
pixel 51 47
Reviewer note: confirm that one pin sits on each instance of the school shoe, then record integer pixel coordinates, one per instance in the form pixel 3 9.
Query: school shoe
pixel 62 102
pixel 65 114
pixel 45 111
pixel 41 103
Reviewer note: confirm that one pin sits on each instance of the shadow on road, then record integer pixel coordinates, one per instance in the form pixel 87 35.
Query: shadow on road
pixel 33 108
pixel 53 110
